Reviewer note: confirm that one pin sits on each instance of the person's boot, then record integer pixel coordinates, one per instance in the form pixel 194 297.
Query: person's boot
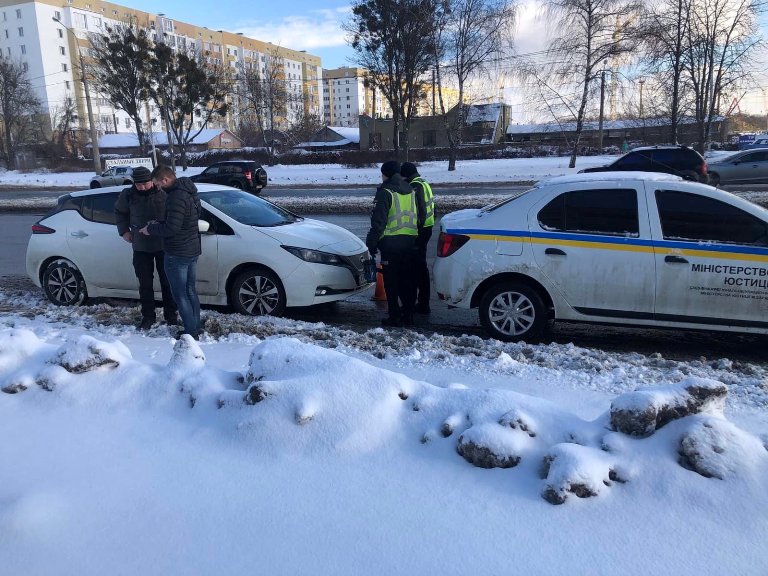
pixel 172 319
pixel 145 324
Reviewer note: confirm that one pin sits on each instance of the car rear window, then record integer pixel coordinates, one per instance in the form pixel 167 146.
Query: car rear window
pixel 248 209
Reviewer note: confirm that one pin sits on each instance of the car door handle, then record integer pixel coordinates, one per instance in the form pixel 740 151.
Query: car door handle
pixel 78 234
pixel 554 252
pixel 675 260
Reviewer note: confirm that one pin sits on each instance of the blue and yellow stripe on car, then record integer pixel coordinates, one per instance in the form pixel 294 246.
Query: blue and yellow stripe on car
pixel 621 243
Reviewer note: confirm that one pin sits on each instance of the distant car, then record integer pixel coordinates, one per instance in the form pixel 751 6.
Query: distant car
pixel 678 160
pixel 747 167
pixel 116 175
pixel 633 249
pixel 241 174
pixel 257 257
pixel 758 142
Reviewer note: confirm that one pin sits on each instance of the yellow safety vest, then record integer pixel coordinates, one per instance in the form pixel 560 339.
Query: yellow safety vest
pixel 402 218
pixel 429 200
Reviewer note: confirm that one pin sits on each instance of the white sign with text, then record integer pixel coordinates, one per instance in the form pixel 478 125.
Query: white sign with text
pixel 146 162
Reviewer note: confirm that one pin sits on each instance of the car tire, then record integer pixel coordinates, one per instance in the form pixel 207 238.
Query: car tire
pixel 714 179
pixel 512 311
pixel 95 184
pixel 261 177
pixel 63 284
pixel 258 292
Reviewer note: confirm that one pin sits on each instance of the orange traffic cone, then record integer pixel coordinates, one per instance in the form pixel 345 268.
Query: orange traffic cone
pixel 379 294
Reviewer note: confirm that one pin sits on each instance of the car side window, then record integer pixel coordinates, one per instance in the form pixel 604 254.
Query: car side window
pixel 698 218
pixel 99 208
pixel 122 170
pixel 754 157
pixel 612 212
pixel 218 226
pixel 667 157
pixel 212 171
pixel 237 169
pixel 631 160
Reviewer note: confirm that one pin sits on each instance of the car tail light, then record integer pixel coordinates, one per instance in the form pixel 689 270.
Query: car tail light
pixel 447 244
pixel 249 175
pixel 704 168
pixel 40 229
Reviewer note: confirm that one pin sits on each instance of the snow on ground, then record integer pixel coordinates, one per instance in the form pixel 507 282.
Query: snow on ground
pixel 467 171
pixel 277 446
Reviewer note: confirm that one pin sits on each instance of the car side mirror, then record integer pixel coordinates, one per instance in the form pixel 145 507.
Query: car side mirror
pixel 203 226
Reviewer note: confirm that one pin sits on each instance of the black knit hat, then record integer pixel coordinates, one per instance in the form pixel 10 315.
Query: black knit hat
pixel 141 175
pixel 390 168
pixel 408 170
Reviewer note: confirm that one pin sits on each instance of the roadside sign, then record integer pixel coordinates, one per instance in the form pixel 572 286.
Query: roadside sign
pixel 146 162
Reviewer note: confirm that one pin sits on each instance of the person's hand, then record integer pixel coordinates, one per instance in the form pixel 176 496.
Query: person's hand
pixel 372 250
pixel 144 231
pixel 128 237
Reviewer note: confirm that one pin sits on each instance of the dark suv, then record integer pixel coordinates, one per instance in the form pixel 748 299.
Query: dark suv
pixel 679 160
pixel 242 174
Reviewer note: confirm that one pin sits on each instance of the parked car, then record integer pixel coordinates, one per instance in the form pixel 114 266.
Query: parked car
pixel 613 248
pixel 257 257
pixel 747 167
pixel 678 160
pixel 112 176
pixel 242 174
pixel 758 142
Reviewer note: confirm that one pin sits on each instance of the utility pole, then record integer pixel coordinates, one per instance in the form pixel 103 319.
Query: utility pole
pixel 89 108
pixel 602 110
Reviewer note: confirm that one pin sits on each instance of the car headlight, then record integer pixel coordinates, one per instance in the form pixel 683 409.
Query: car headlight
pixel 315 256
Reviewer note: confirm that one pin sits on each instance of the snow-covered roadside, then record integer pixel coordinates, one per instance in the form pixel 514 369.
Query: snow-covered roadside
pixel 467 172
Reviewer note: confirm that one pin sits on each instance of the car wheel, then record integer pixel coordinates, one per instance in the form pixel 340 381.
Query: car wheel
pixel 511 311
pixel 63 284
pixel 95 184
pixel 258 292
pixel 261 176
pixel 235 184
pixel 714 179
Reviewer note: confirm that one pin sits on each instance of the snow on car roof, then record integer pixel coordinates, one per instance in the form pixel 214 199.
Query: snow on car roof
pixel 610 176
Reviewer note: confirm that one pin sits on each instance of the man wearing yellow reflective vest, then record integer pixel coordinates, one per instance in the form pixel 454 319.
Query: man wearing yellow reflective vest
pixel 424 193
pixel 394 230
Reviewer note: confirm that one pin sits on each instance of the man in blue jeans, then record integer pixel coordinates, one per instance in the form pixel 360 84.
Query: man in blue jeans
pixel 181 243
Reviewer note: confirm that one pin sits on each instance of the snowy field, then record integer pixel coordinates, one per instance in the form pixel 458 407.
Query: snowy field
pixel 276 446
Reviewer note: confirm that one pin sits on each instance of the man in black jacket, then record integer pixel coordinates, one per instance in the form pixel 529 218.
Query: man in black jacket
pixel 136 206
pixel 394 228
pixel 181 240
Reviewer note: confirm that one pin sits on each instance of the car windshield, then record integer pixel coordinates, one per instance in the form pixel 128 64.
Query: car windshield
pixel 248 209
pixel 507 200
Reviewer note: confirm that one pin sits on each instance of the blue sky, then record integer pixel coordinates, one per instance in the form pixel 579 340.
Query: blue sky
pixel 311 25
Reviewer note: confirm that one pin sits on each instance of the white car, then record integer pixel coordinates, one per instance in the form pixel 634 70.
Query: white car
pixel 115 175
pixel 257 257
pixel 629 248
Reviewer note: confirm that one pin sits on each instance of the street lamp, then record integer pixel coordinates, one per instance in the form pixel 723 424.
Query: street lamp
pixel 92 124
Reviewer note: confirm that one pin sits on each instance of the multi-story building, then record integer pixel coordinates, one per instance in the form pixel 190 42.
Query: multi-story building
pixel 346 97
pixel 48 38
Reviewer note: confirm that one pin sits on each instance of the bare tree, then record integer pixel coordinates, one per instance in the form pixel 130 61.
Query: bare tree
pixel 190 90
pixel 718 49
pixel 393 39
pixel 63 119
pixel 663 32
pixel 266 96
pixel 19 107
pixel 468 36
pixel 120 68
pixel 591 33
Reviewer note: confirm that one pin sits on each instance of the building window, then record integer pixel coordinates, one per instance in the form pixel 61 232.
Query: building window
pixel 80 21
pixel 62 51
pixel 6 34
pixel 5 16
pixel 57 15
pixel 18 13
pixel 9 51
pixel 21 32
pixel 61 33
pixel 64 67
pixel 430 138
pixel 24 66
pixel 66 84
pixel 127 122
pixel 23 48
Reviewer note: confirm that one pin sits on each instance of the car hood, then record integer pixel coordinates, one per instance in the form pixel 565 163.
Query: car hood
pixel 317 235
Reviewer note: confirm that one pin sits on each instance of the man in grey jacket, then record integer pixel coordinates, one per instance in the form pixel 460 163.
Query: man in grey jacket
pixel 181 242
pixel 136 206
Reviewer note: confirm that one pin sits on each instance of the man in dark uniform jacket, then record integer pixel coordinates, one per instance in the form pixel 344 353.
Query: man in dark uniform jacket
pixel 181 241
pixel 394 229
pixel 136 206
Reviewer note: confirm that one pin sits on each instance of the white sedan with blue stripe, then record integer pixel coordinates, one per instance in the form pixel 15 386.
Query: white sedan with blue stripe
pixel 626 248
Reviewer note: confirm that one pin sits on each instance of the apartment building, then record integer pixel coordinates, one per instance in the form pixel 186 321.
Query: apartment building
pixel 346 98
pixel 48 37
